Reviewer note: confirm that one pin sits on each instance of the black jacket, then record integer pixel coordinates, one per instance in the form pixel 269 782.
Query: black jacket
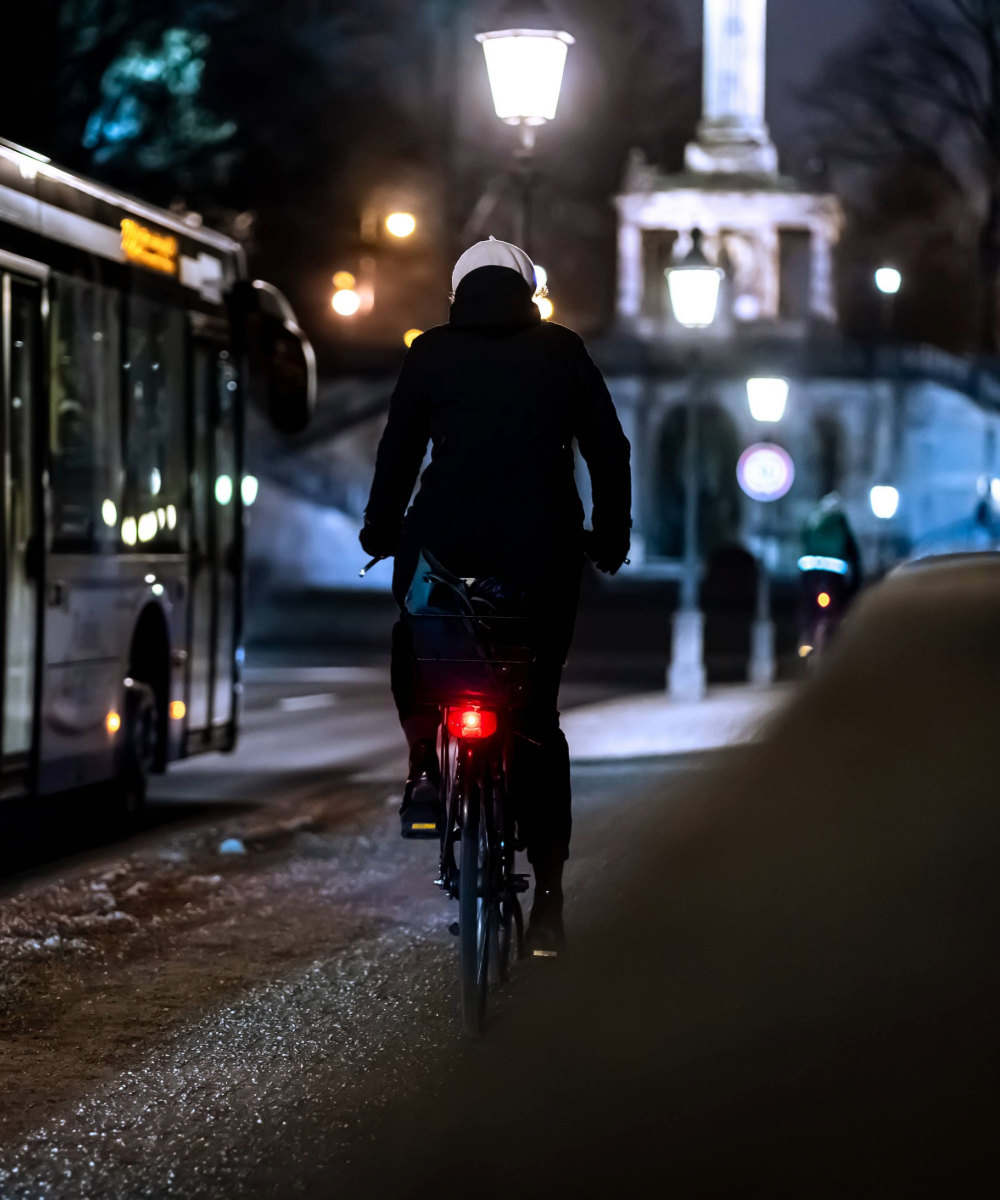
pixel 501 396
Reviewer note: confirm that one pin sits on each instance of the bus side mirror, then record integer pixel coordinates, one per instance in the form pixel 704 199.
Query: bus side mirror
pixel 280 357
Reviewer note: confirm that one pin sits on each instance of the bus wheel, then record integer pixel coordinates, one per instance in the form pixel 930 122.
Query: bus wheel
pixel 139 746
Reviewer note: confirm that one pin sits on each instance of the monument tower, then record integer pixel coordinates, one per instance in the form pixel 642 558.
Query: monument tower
pixel 774 240
pixel 733 135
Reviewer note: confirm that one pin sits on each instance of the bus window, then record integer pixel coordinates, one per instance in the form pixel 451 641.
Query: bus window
pixel 20 344
pixel 154 428
pixel 215 577
pixel 84 418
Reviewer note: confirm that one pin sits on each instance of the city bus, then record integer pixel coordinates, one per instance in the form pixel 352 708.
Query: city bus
pixel 131 344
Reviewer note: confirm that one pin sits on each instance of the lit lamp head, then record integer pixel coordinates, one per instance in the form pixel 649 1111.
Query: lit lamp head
pixel 885 502
pixel 694 287
pixel 768 399
pixel 526 58
pixel 888 280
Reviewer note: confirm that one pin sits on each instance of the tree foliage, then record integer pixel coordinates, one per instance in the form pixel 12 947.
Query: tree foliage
pixel 291 116
pixel 924 86
pixel 149 112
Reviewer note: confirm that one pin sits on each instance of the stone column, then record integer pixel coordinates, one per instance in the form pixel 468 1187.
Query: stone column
pixel 733 135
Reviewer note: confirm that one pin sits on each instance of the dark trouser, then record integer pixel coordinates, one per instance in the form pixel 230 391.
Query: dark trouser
pixel 540 783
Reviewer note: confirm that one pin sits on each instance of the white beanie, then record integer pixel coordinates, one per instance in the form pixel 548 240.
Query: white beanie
pixel 493 254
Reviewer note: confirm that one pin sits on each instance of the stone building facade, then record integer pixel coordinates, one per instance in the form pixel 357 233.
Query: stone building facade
pixel 858 416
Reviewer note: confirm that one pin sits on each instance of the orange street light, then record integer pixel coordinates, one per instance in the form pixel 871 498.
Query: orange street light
pixel 346 302
pixel 401 224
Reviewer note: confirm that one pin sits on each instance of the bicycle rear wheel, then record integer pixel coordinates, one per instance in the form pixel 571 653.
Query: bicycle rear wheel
pixel 474 909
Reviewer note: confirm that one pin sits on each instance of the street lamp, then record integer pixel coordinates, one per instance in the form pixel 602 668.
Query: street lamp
pixel 401 224
pixel 888 281
pixel 346 302
pixel 765 475
pixel 525 60
pixel 768 399
pixel 694 286
pixel 885 502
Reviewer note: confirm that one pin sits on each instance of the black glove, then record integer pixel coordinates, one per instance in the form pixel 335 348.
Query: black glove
pixel 607 551
pixel 377 541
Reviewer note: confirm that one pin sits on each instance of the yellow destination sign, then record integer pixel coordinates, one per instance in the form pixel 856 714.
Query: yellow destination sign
pixel 158 251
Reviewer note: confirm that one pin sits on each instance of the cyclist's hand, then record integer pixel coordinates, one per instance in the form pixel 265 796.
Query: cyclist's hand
pixel 378 542
pixel 607 552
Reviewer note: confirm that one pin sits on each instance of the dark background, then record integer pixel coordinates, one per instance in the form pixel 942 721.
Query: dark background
pixel 290 120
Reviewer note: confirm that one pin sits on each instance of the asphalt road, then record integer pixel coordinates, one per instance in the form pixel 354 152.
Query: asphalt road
pixel 782 981
pixel 179 1022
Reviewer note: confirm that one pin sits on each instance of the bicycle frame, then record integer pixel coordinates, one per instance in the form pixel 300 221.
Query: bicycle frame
pixel 483 764
pixel 475 774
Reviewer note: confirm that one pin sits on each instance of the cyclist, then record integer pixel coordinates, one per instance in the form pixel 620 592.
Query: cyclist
pixel 830 567
pixel 501 396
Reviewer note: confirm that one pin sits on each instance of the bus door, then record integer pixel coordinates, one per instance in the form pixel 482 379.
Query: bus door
pixel 21 383
pixel 215 559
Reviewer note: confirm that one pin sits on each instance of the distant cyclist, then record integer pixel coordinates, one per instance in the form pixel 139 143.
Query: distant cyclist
pixel 501 396
pixel 830 571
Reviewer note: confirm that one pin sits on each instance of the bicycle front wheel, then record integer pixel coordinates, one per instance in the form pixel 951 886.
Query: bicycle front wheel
pixel 474 910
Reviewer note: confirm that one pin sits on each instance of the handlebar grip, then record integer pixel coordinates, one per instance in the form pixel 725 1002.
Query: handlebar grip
pixel 374 563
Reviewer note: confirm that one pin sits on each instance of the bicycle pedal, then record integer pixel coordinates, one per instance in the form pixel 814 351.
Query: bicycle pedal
pixel 453 929
pixel 520 883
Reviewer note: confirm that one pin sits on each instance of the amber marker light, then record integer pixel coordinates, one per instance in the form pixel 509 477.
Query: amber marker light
pixel 344 280
pixel 823 599
pixel 178 710
pixel 113 722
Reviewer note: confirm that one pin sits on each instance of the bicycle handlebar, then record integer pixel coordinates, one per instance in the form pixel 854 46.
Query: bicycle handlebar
pixel 374 563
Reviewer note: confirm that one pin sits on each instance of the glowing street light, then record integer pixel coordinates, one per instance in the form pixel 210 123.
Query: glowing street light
pixel 694 293
pixel 249 487
pixel 411 336
pixel 545 307
pixel 768 399
pixel 401 224
pixel 694 287
pixel 884 502
pixel 525 59
pixel 344 281
pixel 346 302
pixel 888 280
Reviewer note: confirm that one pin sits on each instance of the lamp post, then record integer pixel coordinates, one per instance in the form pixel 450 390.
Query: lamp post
pixel 888 281
pixel 768 399
pixel 525 60
pixel 694 286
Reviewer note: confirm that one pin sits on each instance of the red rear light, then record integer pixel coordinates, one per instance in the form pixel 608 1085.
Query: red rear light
pixel 471 723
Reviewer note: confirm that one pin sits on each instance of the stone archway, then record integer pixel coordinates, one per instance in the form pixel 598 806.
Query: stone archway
pixel 720 499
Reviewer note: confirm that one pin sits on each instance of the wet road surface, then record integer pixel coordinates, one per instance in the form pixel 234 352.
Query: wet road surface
pixel 179 1022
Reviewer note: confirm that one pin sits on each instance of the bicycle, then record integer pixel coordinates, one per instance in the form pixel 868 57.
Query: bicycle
pixel 477 671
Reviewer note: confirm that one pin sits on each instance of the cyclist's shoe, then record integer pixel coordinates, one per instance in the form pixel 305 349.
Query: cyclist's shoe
pixel 546 936
pixel 421 814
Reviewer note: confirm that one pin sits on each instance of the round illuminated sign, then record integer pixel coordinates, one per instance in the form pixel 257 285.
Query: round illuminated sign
pixel 766 472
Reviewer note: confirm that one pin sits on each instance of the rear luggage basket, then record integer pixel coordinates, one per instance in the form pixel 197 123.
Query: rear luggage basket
pixel 483 660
